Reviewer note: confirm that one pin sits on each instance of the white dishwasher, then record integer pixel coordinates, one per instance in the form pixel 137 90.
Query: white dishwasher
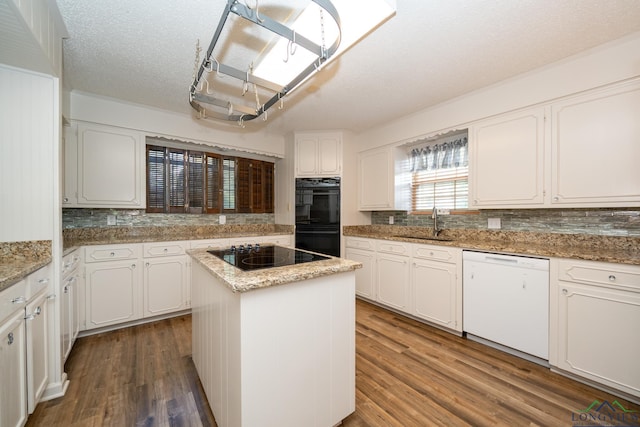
pixel 506 301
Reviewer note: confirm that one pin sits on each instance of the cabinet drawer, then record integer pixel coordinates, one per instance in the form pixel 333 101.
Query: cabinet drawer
pixel 365 244
pixel 12 299
pixel 111 252
pixel 394 248
pixel 210 244
pixel 39 280
pixel 600 273
pixel 164 249
pixel 70 262
pixel 436 253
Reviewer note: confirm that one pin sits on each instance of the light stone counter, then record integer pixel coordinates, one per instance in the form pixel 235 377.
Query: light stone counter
pixel 19 259
pixel 243 281
pixel 623 250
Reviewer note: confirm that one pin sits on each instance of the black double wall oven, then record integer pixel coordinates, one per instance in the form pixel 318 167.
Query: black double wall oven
pixel 318 215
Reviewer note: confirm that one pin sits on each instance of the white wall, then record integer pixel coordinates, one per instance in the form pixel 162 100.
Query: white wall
pixel 29 127
pixel 183 127
pixel 608 63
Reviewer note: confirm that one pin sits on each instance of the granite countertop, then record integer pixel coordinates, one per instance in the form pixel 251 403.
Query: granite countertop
pixel 622 250
pixel 19 259
pixel 74 237
pixel 243 281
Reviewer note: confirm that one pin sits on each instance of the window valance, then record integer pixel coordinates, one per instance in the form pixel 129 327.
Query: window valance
pixel 451 153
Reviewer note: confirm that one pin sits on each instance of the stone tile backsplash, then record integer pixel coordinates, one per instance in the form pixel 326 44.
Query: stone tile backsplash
pixel 605 222
pixel 89 218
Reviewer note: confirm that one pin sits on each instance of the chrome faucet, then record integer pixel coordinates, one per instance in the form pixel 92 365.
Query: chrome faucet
pixel 434 215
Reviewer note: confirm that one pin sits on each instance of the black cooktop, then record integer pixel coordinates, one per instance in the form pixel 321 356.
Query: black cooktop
pixel 256 257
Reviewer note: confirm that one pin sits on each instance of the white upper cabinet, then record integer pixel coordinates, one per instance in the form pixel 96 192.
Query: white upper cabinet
pixel 382 185
pixel 109 168
pixel 581 151
pixel 318 154
pixel 507 160
pixel 596 148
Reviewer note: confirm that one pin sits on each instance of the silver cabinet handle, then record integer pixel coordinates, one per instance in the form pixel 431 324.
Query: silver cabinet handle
pixel 10 338
pixel 51 296
pixel 19 300
pixel 564 291
pixel 66 289
pixel 133 266
pixel 166 250
pixel 38 311
pixel 556 198
pixel 612 278
pixel 46 280
pixel 66 200
pixel 147 264
pixel 112 254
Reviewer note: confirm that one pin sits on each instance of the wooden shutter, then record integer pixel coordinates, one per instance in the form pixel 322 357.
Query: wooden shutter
pixel 156 179
pixel 268 183
pixel 177 181
pixel 213 183
pixel 243 185
pixel 195 181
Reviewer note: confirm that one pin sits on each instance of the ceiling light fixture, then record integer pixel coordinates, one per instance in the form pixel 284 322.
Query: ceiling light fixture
pixel 203 89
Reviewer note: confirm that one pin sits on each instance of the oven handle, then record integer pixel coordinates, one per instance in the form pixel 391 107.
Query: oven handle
pixel 317 232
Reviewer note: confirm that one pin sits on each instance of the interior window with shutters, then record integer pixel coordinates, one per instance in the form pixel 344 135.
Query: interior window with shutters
pixel 439 174
pixel 188 181
pixel 229 184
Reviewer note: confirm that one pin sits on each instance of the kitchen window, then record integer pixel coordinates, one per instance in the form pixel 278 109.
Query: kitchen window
pixel 188 181
pixel 440 174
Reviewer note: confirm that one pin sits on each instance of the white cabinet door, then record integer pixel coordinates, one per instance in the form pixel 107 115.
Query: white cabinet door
pixel 37 349
pixel 69 317
pixel 588 318
pixel 110 167
pixel 596 148
pixel 434 288
pixel 165 285
pixel 365 276
pixel 507 160
pixel 306 151
pixel 329 155
pixel 70 178
pixel 113 293
pixel 375 180
pixel 13 371
pixel 318 154
pixel 392 281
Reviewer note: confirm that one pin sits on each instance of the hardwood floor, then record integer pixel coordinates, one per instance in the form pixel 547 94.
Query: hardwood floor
pixel 407 374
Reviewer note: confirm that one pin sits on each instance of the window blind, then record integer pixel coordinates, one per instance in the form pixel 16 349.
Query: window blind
pixel 440 171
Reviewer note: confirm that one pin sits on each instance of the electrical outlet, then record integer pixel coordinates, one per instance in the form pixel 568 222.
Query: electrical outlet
pixel 111 220
pixel 494 223
pixel 391 219
pixel 222 219
pixel 443 211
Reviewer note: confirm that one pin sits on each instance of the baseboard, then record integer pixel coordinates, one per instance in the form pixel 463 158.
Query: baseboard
pixel 55 390
pixel 88 332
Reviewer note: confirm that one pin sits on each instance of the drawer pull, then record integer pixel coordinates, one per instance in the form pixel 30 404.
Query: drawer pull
pixel 166 250
pixel 10 338
pixel 112 254
pixel 564 291
pixel 612 278
pixel 19 300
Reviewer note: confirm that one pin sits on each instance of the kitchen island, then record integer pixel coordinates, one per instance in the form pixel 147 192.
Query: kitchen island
pixel 275 346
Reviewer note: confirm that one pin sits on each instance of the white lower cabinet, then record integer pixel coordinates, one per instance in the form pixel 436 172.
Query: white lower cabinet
pixel 365 276
pixel 392 279
pixel 166 278
pixel 595 313
pixel 424 281
pixel 114 292
pixel 37 349
pixel 13 371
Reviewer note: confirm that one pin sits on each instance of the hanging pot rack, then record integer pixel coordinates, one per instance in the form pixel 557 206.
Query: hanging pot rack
pixel 200 93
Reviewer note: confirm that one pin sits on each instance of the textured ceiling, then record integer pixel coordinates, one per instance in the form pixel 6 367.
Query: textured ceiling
pixel 143 51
